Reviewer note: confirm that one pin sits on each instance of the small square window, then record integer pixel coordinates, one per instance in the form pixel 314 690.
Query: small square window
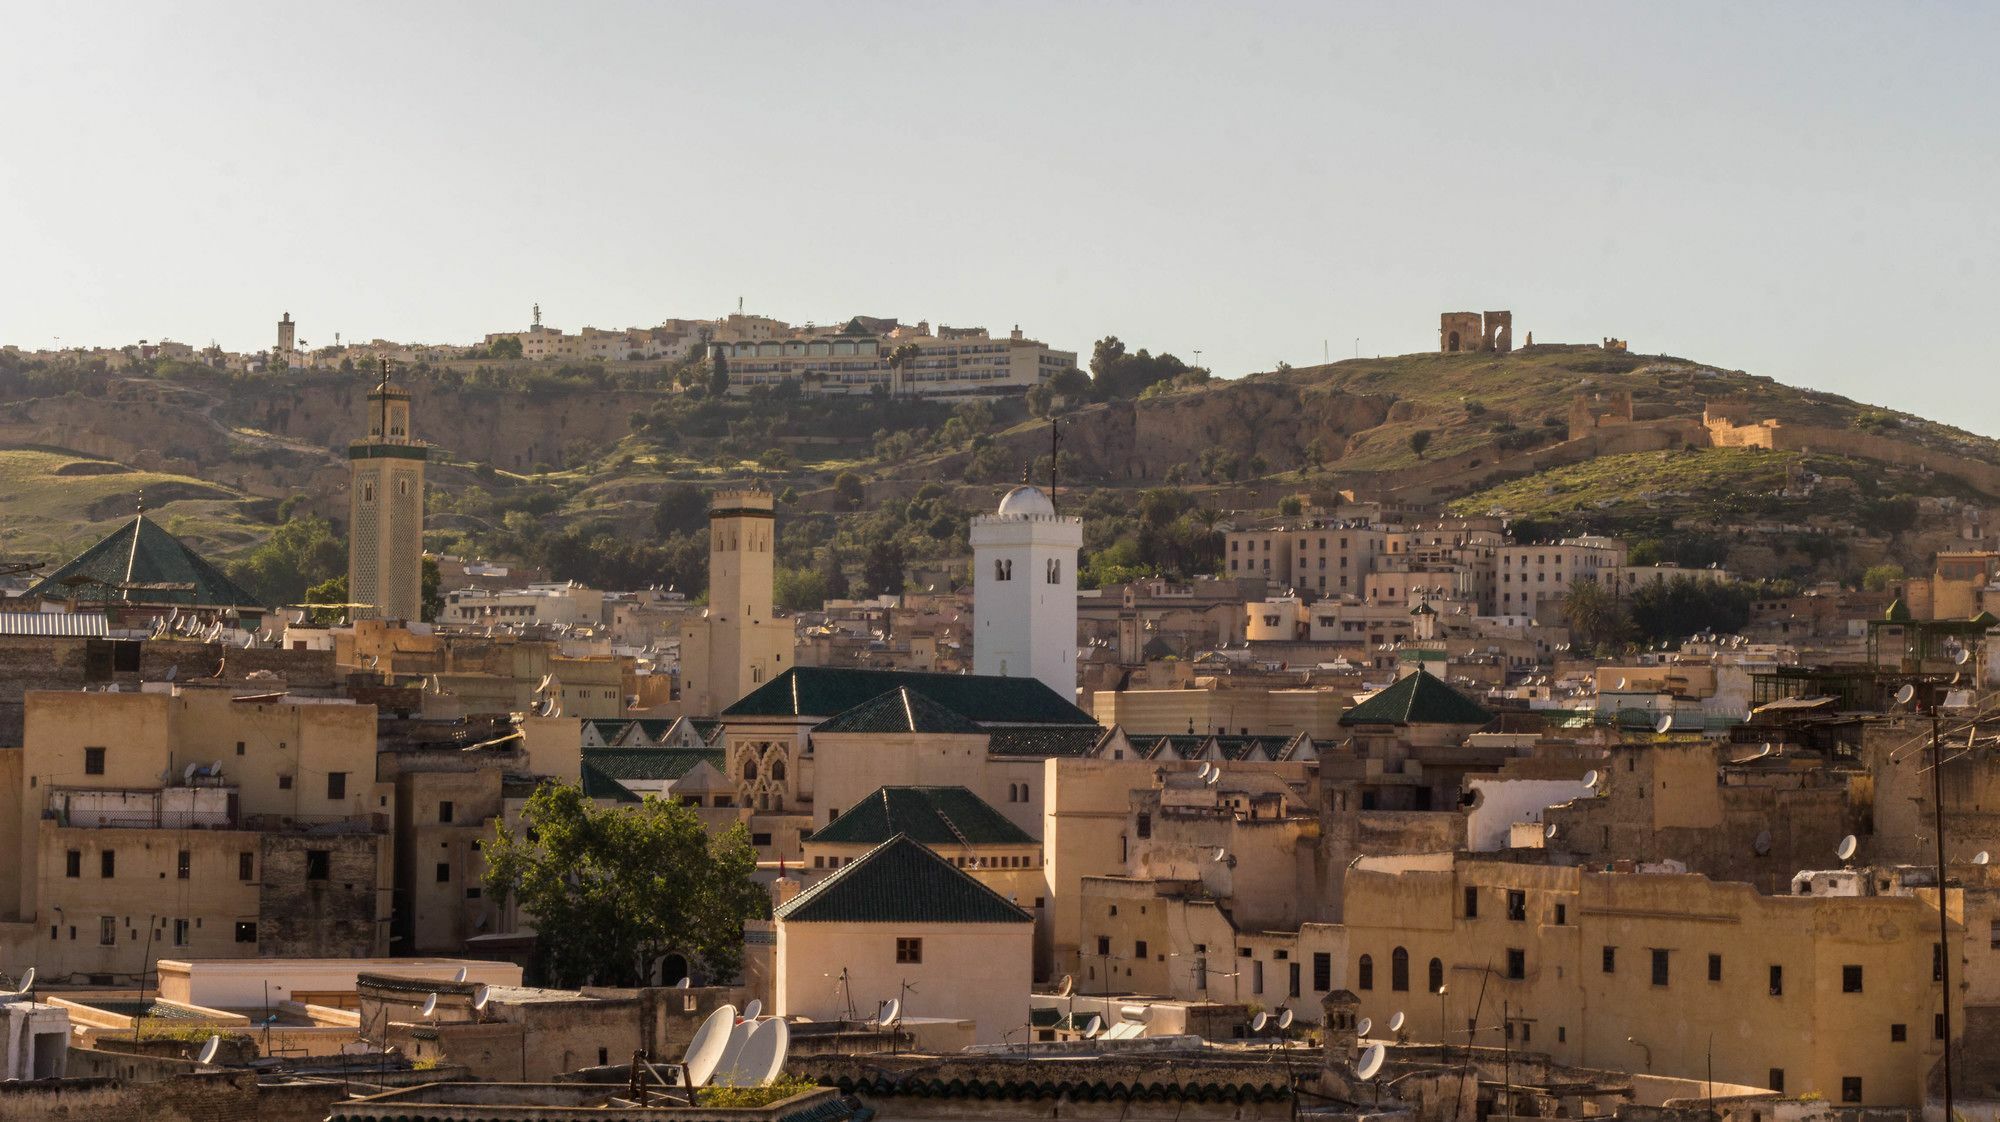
pixel 1562 914
pixel 284 783
pixel 1517 905
pixel 443 872
pixel 93 761
pixel 1660 966
pixel 1850 979
pixel 1777 981
pixel 246 931
pixel 1471 903
pixel 1899 1034
pixel 1850 1088
pixel 1517 963
pixel 336 786
pixel 909 951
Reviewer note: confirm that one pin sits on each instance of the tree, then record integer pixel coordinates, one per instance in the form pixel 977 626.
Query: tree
pixel 1116 374
pixel 1291 506
pixel 1595 618
pixel 1687 605
pixel 1072 385
pixel 505 348
pixel 718 373
pixel 432 597
pixel 682 509
pixel 298 554
pixel 882 569
pixel 848 486
pixel 900 361
pixel 613 891
pixel 332 590
pixel 799 590
pixel 1879 577
pixel 1420 440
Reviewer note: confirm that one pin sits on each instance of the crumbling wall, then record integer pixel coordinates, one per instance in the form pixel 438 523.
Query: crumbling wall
pixel 303 917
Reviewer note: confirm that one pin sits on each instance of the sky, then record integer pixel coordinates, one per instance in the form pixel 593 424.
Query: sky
pixel 1805 191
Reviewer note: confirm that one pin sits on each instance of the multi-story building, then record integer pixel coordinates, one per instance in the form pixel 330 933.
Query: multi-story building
pixel 554 602
pixel 1531 574
pixel 860 358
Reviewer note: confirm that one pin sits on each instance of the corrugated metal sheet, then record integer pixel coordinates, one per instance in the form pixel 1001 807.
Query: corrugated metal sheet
pixel 68 625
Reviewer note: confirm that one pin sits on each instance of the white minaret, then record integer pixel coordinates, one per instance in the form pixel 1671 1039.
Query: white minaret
pixel 1024 591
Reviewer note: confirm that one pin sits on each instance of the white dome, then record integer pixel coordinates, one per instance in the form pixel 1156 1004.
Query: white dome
pixel 1027 500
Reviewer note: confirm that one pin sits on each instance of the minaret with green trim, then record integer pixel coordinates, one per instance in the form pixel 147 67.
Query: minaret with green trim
pixel 385 528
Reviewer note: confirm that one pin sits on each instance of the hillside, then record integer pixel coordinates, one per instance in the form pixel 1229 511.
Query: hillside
pixel 589 469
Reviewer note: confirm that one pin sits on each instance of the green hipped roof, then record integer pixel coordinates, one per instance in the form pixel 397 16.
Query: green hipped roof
pixel 597 785
pixel 141 553
pixel 828 691
pixel 935 816
pixel 1418 699
pixel 650 763
pixel 900 710
pixel 1043 741
pixel 900 881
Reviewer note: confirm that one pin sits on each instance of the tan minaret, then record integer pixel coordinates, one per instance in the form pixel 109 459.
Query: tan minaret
pixel 385 528
pixel 287 337
pixel 737 646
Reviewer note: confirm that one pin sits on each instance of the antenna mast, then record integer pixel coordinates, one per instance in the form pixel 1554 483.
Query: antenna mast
pixel 1055 458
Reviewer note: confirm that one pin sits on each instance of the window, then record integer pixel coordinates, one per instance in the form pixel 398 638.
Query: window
pixel 1003 569
pixel 319 864
pixel 180 933
pixel 1257 976
pixel 1562 914
pixel 107 931
pixel 1292 980
pixel 284 783
pixel 472 893
pixel 444 811
pixel 1055 570
pixel 181 865
pixel 74 864
pixel 1471 903
pixel 444 872
pixel 1715 968
pixel 1850 1088
pixel 107 863
pixel 1937 1021
pixel 1659 966
pixel 1899 1034
pixel 246 866
pixel 1937 962
pixel 1104 946
pixel 1611 960
pixel 1777 981
pixel 1436 976
pixel 910 951
pixel 93 761
pixel 1364 973
pixel 1776 1080
pixel 1517 963
pixel 1850 979
pixel 1139 949
pixel 1145 825
pixel 760 839
pixel 246 931
pixel 1517 905
pixel 1322 972
pixel 239 747
pixel 336 785
pixel 1399 970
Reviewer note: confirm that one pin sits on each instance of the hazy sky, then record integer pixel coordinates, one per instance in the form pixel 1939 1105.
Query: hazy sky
pixel 1806 191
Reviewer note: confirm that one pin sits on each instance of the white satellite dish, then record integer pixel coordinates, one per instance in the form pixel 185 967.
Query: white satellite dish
pixel 892 1013
pixel 751 1010
pixel 430 1005
pixel 1959 656
pixel 1093 1026
pixel 1258 1022
pixel 1370 1063
pixel 1219 854
pixel 684 983
pixel 208 1050
pixel 1762 845
pixel 732 1051
pixel 1215 777
pixel 1396 1021
pixel 1620 685
pixel 192 770
pixel 1068 986
pixel 480 997
pixel 459 976
pixel 1980 858
pixel 1284 1020
pixel 1905 695
pixel 28 978
pixel 764 1056
pixel 1364 1027
pixel 1848 844
pixel 705 1050
pixel 1549 832
pixel 1590 778
pixel 1665 724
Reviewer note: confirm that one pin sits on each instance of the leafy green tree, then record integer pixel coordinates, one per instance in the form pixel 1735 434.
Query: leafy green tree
pixel 1595 618
pixel 882 569
pixel 799 590
pixel 1686 605
pixel 718 373
pixel 682 509
pixel 1291 506
pixel 433 596
pixel 507 348
pixel 848 486
pixel 1116 374
pixel 332 590
pixel 298 554
pixel 613 891
pixel 1420 440
pixel 1879 577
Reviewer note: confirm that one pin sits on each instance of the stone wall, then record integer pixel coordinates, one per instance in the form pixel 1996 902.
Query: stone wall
pixel 299 917
pixel 225 1096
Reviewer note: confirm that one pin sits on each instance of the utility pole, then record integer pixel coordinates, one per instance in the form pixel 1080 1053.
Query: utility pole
pixel 1944 946
pixel 1055 458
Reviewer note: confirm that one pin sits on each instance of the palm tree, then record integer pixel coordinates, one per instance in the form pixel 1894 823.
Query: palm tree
pixel 900 361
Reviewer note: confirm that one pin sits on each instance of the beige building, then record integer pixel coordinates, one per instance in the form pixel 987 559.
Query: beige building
pixel 902 923
pixel 1530 574
pixel 953 362
pixel 193 822
pixel 736 645
pixel 385 527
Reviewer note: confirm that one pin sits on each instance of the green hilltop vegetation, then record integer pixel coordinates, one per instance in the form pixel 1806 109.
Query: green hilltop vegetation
pixel 1158 456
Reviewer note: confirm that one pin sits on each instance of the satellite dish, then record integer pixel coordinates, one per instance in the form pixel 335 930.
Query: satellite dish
pixel 192 770
pixel 1366 1026
pixel 1093 1026
pixel 480 997
pixel 208 1050
pixel 1370 1063
pixel 751 1010
pixel 1848 844
pixel 1665 724
pixel 1590 778
pixel 684 983
pixel 215 770
pixel 1620 685
pixel 1762 845
pixel 705 1050
pixel 1067 987
pixel 460 976
pixel 1258 1022
pixel 732 1051
pixel 1396 1021
pixel 892 1012
pixel 764 1056
pixel 1905 695
pixel 430 1005
pixel 1959 656
pixel 1215 777
pixel 1285 1020
pixel 28 977
pixel 1980 858
pixel 1549 832
pixel 1219 854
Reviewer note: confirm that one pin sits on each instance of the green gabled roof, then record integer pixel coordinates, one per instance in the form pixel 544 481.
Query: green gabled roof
pixel 828 691
pixel 650 763
pixel 935 816
pixel 140 553
pixel 900 710
pixel 1251 747
pixel 597 785
pixel 1185 745
pixel 900 881
pixel 706 728
pixel 1043 741
pixel 1418 699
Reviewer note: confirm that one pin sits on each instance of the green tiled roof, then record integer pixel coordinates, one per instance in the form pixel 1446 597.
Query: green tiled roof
pixel 934 816
pixel 828 691
pixel 900 881
pixel 650 763
pixel 141 554
pixel 1044 740
pixel 900 710
pixel 1418 699
pixel 706 728
pixel 597 785
pixel 1251 747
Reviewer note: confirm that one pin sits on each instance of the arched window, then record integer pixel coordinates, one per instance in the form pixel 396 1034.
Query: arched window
pixel 749 769
pixel 778 770
pixel 1437 975
pixel 1399 970
pixel 1364 973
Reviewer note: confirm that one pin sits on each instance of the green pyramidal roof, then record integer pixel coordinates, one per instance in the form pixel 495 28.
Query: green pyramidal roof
pixel 142 564
pixel 1418 699
pixel 935 816
pixel 900 710
pixel 828 691
pixel 900 881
